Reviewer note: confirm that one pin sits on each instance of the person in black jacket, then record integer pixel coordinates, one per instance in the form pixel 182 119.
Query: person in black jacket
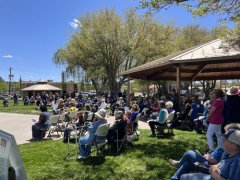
pixel 119 126
pixel 232 106
pixel 37 132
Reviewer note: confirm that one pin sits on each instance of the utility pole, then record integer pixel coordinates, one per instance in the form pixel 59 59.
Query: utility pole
pixel 20 85
pixel 10 80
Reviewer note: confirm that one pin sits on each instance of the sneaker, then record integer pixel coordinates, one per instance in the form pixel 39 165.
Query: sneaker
pixel 152 135
pixel 81 157
pixel 174 163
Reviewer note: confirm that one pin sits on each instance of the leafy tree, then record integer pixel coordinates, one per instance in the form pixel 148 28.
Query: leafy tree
pixel 230 9
pixel 1 79
pixel 193 35
pixel 106 44
pixel 3 87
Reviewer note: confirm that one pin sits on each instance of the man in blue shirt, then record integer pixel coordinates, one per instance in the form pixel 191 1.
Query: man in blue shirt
pixel 190 158
pixel 228 168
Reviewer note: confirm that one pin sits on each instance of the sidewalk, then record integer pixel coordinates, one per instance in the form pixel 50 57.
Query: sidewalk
pixel 20 125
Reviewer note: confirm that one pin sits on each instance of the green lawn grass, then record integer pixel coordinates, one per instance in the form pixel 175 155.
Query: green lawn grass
pixel 20 108
pixel 146 158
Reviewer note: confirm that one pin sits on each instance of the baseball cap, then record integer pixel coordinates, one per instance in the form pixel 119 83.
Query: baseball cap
pixel 232 135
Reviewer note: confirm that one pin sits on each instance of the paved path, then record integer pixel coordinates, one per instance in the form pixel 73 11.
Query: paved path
pixel 20 125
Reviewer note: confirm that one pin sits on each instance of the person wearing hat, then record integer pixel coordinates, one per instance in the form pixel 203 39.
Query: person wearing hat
pixel 86 141
pixel 232 106
pixel 194 161
pixel 228 168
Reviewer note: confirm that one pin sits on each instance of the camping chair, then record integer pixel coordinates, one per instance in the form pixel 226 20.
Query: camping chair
pixel 102 131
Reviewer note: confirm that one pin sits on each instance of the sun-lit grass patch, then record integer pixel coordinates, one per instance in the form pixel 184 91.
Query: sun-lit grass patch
pixel 20 108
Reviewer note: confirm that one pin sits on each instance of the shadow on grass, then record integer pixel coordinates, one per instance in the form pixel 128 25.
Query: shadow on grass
pixel 94 160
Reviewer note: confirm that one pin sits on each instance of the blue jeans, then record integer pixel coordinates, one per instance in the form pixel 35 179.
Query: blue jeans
pixel 196 176
pixel 85 149
pixel 186 163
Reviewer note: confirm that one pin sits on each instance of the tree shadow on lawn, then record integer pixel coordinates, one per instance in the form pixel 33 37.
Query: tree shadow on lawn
pixel 173 149
pixel 94 160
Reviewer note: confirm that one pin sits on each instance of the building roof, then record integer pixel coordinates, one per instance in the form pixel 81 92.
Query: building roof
pixel 212 60
pixel 41 87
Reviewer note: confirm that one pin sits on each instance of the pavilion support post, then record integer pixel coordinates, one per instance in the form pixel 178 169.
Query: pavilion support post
pixel 148 82
pixel 128 95
pixel 191 88
pixel 178 71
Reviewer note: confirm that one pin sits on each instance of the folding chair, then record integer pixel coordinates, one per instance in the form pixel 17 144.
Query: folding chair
pixel 72 114
pixel 169 122
pixel 53 124
pixel 185 123
pixel 166 124
pixel 74 133
pixel 101 132
pixel 132 130
pixel 122 141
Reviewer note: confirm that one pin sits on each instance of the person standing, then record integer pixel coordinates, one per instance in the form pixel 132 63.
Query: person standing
pixel 15 100
pixel 215 118
pixel 232 106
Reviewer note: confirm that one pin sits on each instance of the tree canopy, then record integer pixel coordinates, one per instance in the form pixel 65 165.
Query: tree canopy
pixel 107 44
pixel 230 8
pixel 1 79
pixel 227 9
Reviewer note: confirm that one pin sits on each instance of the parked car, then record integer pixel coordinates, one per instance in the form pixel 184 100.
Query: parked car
pixel 84 94
pixel 92 93
pixel 6 96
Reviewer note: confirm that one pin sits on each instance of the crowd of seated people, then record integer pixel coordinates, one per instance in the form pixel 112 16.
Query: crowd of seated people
pixel 153 108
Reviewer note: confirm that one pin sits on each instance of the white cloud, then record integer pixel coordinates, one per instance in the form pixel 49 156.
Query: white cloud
pixel 75 23
pixel 7 56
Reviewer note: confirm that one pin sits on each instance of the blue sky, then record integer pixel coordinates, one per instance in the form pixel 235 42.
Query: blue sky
pixel 32 30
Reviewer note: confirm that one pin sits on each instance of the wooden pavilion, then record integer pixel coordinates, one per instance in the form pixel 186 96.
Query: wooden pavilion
pixel 214 60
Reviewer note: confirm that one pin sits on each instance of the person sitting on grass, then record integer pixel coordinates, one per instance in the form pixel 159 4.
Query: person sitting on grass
pixel 193 161
pixel 163 113
pixel 86 141
pixel 37 132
